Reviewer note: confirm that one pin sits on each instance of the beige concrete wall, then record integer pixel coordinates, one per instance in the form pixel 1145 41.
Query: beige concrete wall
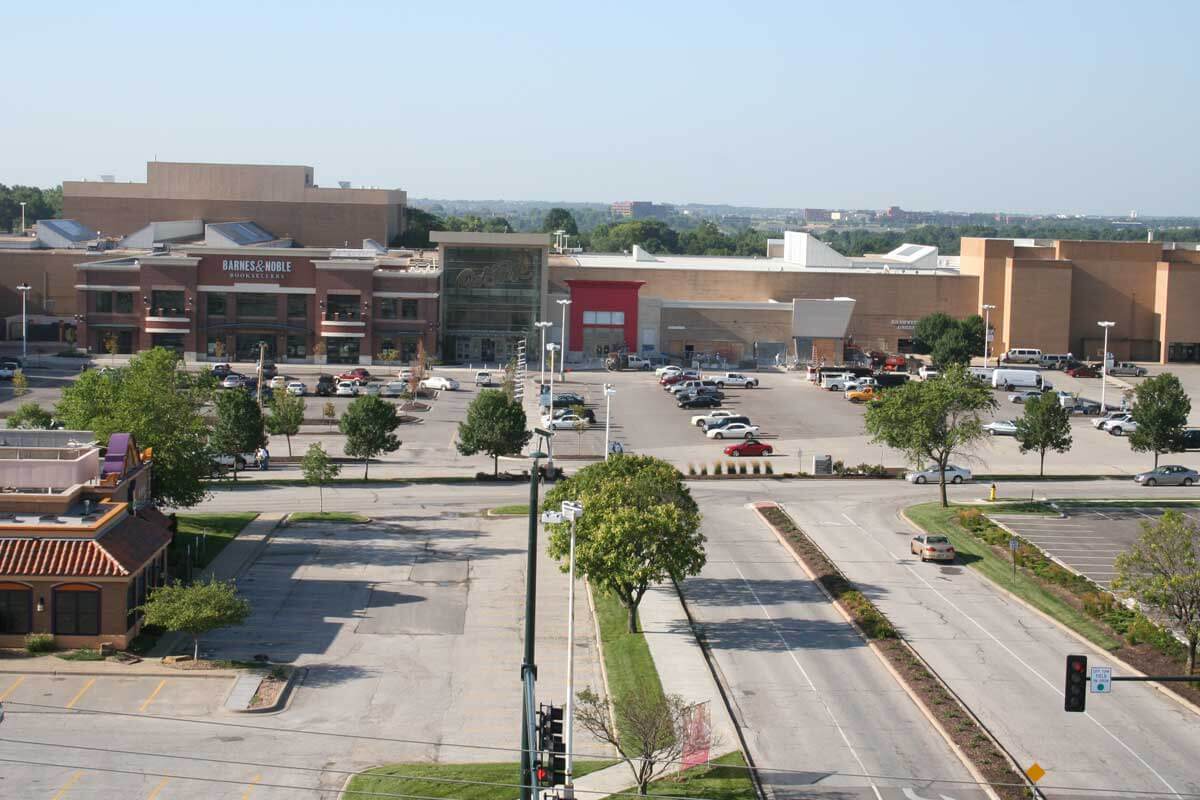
pixel 986 259
pixel 1114 281
pixel 730 332
pixel 50 273
pixel 1033 312
pixel 1178 287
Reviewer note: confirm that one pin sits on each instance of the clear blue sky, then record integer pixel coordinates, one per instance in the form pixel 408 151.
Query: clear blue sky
pixel 1039 106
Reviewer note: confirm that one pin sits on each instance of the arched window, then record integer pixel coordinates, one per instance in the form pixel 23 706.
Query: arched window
pixel 76 610
pixel 16 608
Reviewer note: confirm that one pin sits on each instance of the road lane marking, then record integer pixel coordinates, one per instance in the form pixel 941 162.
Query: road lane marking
pixel 146 704
pixel 11 688
pixel 250 788
pixel 71 781
pixel 1016 657
pixel 808 680
pixel 81 693
pixel 154 792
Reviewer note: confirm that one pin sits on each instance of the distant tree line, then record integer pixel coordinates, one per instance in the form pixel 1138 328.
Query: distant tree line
pixel 857 242
pixel 39 204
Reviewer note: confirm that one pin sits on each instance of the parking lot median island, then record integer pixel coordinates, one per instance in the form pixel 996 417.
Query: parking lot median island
pixel 973 741
pixel 495 781
pixel 1069 598
pixel 627 659
pixel 724 778
pixel 327 516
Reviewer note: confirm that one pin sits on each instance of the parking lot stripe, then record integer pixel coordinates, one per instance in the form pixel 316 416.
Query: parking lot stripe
pixel 250 788
pixel 146 703
pixel 11 688
pixel 71 781
pixel 81 693
pixel 154 792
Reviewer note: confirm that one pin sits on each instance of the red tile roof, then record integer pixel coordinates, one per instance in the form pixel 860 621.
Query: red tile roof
pixel 121 551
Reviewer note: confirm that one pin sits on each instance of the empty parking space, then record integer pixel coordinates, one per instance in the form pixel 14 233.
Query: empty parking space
pixel 130 694
pixel 1088 539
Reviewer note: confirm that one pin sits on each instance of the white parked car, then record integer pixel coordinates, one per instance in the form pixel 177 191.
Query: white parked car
pixel 862 383
pixel 347 389
pixel 669 369
pixel 8 370
pixel 926 372
pixel 441 383
pixel 405 374
pixel 297 388
pixel 702 420
pixel 953 475
pixel 566 422
pixel 1119 426
pixel 734 430
pixel 1021 397
pixel 1099 422
pixel 1002 427
pixel 483 378
pixel 735 379
pixel 279 382
pixel 394 388
pixel 234 381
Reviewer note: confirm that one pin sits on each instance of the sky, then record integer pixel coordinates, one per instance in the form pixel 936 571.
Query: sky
pixel 1071 107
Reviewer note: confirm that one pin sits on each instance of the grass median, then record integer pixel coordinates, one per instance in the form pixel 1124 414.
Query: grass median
pixel 206 536
pixel 627 659
pixel 328 516
pixel 494 781
pixel 724 778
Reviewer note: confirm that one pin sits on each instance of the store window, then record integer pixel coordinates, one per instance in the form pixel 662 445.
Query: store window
pixel 408 309
pixel 297 346
pixel 262 306
pixel 342 306
pixel 604 318
pixel 104 302
pixel 171 341
pixel 124 302
pixel 387 308
pixel 215 304
pixel 166 303
pixel 77 610
pixel 297 306
pixel 16 603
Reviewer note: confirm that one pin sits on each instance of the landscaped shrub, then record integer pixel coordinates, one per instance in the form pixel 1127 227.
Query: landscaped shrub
pixel 716 468
pixel 839 468
pixel 703 469
pixel 691 469
pixel 756 468
pixel 972 519
pixel 768 468
pixel 742 469
pixel 730 468
pixel 39 643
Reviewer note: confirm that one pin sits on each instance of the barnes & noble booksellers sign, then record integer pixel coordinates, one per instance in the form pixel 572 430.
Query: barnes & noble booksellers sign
pixel 256 267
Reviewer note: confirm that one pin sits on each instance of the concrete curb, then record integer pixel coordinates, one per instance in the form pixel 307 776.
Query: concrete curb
pixel 600 649
pixel 984 784
pixel 1096 649
pixel 182 673
pixel 283 702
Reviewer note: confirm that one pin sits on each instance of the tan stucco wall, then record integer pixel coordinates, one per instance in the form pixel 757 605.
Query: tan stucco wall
pixel 1178 289
pixel 1033 312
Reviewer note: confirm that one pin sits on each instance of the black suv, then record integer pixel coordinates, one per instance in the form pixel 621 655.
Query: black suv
pixel 326 386
pixel 1189 439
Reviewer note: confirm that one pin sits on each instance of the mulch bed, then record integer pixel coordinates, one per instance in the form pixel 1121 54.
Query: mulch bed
pixel 959 724
pixel 268 691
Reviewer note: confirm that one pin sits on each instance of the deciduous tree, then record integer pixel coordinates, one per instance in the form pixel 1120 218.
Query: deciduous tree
pixel 196 609
pixel 640 527
pixel 239 427
pixel 560 219
pixel 1160 409
pixel 494 425
pixel 286 416
pixel 319 469
pixel 30 415
pixel 929 329
pixel 368 424
pixel 1045 425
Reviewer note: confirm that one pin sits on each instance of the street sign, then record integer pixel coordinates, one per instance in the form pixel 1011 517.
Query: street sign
pixel 1013 543
pixel 1035 772
pixel 1101 682
pixel 551 517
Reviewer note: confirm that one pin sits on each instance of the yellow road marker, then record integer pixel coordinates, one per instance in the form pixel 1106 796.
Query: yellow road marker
pixel 71 781
pixel 154 792
pixel 11 688
pixel 1035 772
pixel 250 788
pixel 81 693
pixel 153 695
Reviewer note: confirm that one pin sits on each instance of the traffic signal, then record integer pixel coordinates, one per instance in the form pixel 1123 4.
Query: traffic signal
pixel 551 760
pixel 1075 696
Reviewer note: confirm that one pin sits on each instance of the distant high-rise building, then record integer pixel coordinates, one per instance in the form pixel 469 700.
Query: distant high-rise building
pixel 818 215
pixel 638 209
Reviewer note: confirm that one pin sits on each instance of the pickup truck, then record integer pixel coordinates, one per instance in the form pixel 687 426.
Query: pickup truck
pixel 861 383
pixel 837 383
pixel 1127 369
pixel 735 379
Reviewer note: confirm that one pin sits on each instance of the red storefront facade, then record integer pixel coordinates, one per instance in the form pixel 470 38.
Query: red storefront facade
pixel 604 317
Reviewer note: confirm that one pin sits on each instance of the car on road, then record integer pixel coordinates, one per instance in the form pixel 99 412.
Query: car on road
pixel 1168 475
pixel 672 378
pixel 1127 369
pixel 296 388
pixel 694 400
pixel 279 382
pixel 953 475
pixel 1082 371
pixel 586 413
pixel 7 370
pixel 733 430
pixel 667 369
pixel 701 420
pixel 347 389
pixel 220 370
pixel 1002 427
pixel 326 386
pixel 393 389
pixel 750 447
pixel 927 372
pixel 234 380
pixel 1021 397
pixel 1119 426
pixel 441 383
pixel 360 374
pixel 483 378
pixel 862 395
pixel 932 547
pixel 735 379
pixel 567 422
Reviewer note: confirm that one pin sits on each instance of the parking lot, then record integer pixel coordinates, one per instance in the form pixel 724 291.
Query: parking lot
pixel 1089 539
pixel 183 696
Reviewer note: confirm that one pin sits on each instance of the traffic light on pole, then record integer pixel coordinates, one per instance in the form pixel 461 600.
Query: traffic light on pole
pixel 551 763
pixel 1075 695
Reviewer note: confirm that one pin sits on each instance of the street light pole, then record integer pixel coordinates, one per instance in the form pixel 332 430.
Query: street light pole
pixel 609 391
pixel 528 667
pixel 1104 366
pixel 24 288
pixel 541 326
pixel 571 511
pixel 563 340
pixel 987 332
pixel 552 347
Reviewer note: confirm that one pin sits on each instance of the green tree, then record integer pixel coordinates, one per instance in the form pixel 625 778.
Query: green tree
pixel 30 415
pixel 319 469
pixel 286 416
pixel 640 526
pixel 196 609
pixel 239 427
pixel 653 235
pixel 368 424
pixel 1162 570
pixel 494 425
pixel 161 405
pixel 560 219
pixel 329 411
pixel 952 348
pixel 973 330
pixel 20 383
pixel 1045 425
pixel 417 225
pixel 929 329
pixel 931 420
pixel 1160 409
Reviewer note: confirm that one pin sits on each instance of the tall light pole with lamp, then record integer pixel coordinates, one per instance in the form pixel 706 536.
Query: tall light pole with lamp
pixel 528 666
pixel 987 331
pixel 1104 365
pixel 609 391
pixel 562 374
pixel 553 348
pixel 572 511
pixel 541 326
pixel 24 288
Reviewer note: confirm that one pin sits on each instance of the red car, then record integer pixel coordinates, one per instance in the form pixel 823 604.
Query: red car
pixel 357 374
pixel 750 447
pixel 670 380
pixel 1083 371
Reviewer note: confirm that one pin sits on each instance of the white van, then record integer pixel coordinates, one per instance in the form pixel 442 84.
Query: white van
pixel 1056 360
pixel 982 373
pixel 1023 355
pixel 1009 379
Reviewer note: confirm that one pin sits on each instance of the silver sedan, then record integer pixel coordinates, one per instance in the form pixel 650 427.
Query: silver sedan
pixel 1168 475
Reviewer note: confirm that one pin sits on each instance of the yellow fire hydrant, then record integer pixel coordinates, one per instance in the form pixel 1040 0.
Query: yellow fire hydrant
pixel 992 494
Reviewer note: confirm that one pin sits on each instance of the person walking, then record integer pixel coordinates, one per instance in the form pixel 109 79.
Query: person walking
pixel 265 462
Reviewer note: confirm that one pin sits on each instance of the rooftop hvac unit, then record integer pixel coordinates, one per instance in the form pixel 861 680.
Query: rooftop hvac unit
pixel 344 184
pixel 108 178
